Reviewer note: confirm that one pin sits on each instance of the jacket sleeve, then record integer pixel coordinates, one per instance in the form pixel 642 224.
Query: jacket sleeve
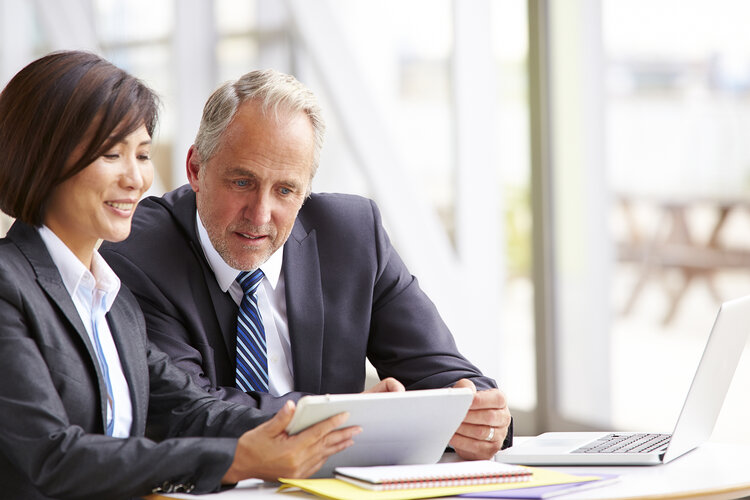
pixel 179 408
pixel 408 338
pixel 43 450
pixel 170 330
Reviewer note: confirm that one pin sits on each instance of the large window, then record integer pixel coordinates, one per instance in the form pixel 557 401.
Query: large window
pixel 445 147
pixel 516 314
pixel 409 62
pixel 646 209
pixel 642 213
pixel 678 118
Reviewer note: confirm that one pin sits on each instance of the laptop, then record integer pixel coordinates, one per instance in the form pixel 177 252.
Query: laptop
pixel 694 425
pixel 398 428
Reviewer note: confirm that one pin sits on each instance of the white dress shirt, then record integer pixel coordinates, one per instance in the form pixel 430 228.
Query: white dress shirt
pixel 272 305
pixel 91 290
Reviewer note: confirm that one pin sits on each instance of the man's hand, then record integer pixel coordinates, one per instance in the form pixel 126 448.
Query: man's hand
pixel 268 452
pixel 483 431
pixel 389 384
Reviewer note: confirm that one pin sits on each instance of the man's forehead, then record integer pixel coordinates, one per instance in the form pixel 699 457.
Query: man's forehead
pixel 286 129
pixel 278 113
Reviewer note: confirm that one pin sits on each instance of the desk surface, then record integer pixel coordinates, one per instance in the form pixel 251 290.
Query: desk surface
pixel 714 470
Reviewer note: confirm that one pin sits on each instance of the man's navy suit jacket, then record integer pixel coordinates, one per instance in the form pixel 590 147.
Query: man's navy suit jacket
pixel 348 297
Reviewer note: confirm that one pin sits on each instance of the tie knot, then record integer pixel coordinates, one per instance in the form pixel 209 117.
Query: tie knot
pixel 249 280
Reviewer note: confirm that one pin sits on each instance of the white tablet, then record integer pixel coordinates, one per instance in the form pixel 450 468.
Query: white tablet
pixel 398 428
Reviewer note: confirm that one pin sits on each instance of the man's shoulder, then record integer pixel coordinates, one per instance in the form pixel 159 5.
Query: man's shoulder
pixel 174 204
pixel 336 217
pixel 337 206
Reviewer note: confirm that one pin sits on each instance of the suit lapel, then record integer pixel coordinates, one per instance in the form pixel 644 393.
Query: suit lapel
pixel 304 300
pixel 224 309
pixel 53 286
pixel 31 245
pixel 131 351
pixel 182 206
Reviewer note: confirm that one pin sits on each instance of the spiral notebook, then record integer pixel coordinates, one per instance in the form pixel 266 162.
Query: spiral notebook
pixel 397 477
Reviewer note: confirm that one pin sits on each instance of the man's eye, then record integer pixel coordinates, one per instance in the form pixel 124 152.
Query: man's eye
pixel 242 183
pixel 285 190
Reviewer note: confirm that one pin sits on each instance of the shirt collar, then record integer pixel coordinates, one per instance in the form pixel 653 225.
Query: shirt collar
pixel 75 275
pixel 226 274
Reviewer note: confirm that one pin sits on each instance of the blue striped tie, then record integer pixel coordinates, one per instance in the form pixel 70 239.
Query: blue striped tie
pixel 252 363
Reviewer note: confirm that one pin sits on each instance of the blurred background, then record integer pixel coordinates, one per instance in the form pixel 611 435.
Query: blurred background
pixel 582 167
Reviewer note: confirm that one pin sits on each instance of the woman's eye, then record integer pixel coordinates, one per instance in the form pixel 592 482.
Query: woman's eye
pixel 111 156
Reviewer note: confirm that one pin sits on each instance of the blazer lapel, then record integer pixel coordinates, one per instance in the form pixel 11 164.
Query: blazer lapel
pixel 304 301
pixel 49 279
pixel 60 296
pixel 122 321
pixel 224 309
pixel 221 308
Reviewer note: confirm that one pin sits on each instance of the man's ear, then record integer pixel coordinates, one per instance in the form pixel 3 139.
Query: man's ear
pixel 192 167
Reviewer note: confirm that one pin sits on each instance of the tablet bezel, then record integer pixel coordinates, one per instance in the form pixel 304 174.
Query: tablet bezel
pixel 398 428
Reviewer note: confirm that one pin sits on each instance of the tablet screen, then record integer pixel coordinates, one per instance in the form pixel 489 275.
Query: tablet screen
pixel 398 428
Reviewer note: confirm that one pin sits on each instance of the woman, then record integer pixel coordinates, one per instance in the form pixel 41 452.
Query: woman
pixel 80 387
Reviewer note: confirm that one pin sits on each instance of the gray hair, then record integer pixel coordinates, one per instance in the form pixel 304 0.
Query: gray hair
pixel 275 91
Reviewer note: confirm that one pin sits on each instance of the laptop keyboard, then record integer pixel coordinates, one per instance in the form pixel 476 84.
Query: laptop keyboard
pixel 626 443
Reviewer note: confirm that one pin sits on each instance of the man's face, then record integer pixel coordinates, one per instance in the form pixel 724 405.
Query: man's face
pixel 250 191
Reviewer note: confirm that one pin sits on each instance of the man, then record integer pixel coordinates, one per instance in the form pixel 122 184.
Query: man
pixel 333 291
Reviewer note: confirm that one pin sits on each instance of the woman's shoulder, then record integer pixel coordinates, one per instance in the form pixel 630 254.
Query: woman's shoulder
pixel 18 281
pixel 12 260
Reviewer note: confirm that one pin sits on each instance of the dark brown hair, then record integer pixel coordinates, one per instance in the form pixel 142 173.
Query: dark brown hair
pixel 51 107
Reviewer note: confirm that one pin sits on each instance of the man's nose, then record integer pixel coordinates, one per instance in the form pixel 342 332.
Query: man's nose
pixel 258 209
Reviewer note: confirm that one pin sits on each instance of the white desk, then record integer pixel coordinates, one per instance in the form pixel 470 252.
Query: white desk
pixel 715 471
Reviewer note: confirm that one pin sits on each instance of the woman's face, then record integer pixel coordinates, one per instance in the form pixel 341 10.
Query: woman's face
pixel 98 202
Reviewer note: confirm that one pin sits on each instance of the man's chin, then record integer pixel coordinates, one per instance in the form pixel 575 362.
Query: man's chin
pixel 248 259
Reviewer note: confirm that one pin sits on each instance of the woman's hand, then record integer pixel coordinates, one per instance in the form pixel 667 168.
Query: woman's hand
pixel 268 452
